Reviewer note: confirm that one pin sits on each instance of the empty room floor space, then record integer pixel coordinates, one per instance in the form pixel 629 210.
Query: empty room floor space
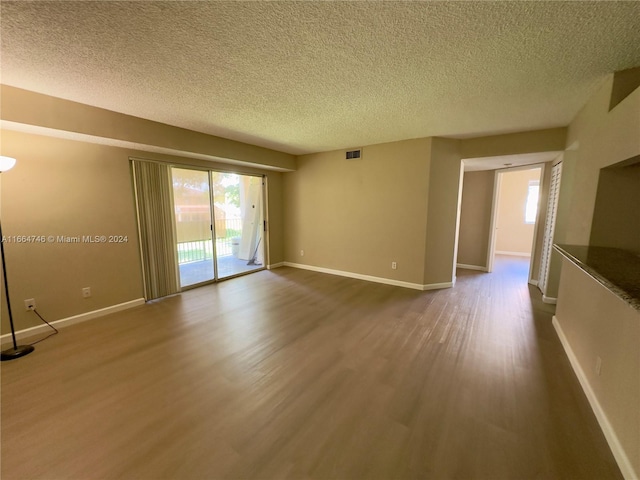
pixel 296 374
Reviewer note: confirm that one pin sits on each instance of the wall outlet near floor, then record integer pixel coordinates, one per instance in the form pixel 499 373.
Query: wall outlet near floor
pixel 598 365
pixel 30 304
pixel 302 253
pixel 86 292
pixel 394 265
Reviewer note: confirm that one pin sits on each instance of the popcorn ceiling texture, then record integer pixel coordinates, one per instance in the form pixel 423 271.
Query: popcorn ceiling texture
pixel 314 76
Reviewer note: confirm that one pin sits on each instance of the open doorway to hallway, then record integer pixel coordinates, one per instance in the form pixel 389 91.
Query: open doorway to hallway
pixel 515 212
pixel 502 211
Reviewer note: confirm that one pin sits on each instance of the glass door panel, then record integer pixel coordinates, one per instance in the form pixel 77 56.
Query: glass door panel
pixel 192 203
pixel 239 219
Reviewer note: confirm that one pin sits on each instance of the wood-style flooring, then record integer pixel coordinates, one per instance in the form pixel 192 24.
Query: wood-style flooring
pixel 291 374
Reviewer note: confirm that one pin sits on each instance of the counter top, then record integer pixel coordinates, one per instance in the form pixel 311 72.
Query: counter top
pixel 616 269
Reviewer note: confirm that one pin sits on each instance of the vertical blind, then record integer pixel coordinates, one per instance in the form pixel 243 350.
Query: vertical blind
pixel 549 227
pixel 157 228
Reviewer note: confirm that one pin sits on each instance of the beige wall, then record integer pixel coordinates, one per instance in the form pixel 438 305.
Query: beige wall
pixel 30 109
pixel 548 140
pixel 360 215
pixel 596 138
pixel 275 218
pixel 616 218
pixel 595 323
pixel 601 138
pixel 64 187
pixel 513 235
pixel 475 218
pixel 398 203
pixel 624 82
pixel 416 182
pixel 444 198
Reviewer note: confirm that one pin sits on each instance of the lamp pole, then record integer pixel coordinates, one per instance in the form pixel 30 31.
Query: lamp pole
pixel 17 351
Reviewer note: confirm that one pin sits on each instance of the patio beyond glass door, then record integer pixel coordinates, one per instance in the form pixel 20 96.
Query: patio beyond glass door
pixel 227 207
pixel 192 204
pixel 239 220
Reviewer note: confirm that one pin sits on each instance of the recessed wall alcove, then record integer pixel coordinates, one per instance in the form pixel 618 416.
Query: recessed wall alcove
pixel 616 217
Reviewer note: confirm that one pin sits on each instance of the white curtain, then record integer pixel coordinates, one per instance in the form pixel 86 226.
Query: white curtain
pixel 157 228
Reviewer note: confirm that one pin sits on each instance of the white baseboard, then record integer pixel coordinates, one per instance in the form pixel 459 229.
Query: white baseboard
pixel 437 286
pixel 612 439
pixel 471 267
pixel 550 300
pixel 513 254
pixel 65 322
pixel 275 265
pixel 370 278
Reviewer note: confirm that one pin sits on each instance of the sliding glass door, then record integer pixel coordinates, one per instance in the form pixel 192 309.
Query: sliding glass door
pixel 238 223
pixel 219 224
pixel 192 205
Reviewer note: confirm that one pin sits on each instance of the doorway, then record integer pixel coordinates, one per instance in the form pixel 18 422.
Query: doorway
pixel 515 217
pixel 219 220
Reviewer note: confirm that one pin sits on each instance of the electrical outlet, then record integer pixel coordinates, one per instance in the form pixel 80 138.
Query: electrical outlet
pixel 30 304
pixel 86 292
pixel 394 265
pixel 598 365
pixel 302 253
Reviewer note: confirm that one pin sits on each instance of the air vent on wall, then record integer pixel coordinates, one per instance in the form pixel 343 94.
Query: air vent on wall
pixel 353 154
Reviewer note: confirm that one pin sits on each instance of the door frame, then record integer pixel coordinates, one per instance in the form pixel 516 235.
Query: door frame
pixel 497 182
pixel 265 235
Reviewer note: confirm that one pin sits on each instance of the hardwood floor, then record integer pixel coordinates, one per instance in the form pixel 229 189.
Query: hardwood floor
pixel 295 374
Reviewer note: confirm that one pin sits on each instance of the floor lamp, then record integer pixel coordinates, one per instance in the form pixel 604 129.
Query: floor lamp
pixel 6 163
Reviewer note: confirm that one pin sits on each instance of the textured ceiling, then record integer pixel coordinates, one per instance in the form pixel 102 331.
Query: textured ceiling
pixel 313 76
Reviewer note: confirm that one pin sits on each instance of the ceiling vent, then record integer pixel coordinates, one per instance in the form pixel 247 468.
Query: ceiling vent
pixel 351 154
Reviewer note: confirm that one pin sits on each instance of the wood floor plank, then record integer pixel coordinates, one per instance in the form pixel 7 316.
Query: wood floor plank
pixel 300 375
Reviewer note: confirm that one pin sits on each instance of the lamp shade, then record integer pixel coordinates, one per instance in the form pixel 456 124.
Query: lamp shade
pixel 6 163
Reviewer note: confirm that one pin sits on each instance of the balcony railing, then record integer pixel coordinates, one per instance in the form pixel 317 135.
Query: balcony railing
pixel 200 250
